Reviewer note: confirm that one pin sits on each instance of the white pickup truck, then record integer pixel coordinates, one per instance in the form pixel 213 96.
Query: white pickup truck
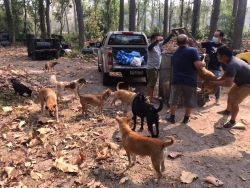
pixel 115 41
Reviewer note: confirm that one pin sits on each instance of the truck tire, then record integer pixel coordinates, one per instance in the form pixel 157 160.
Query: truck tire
pixel 99 69
pixel 56 55
pixel 33 57
pixel 106 80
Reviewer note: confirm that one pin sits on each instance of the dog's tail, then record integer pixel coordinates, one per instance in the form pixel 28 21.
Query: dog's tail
pixel 166 144
pixel 53 80
pixel 160 107
pixel 118 85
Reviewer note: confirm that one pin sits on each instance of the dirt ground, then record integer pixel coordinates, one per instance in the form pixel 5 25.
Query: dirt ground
pixel 87 152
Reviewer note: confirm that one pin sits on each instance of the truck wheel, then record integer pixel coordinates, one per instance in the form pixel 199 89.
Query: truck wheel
pixel 99 69
pixel 106 79
pixel 33 56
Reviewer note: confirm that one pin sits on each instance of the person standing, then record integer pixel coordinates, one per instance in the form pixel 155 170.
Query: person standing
pixel 236 74
pixel 153 62
pixel 185 62
pixel 214 65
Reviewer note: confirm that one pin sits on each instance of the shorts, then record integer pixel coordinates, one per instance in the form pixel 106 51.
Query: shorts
pixel 152 76
pixel 189 95
pixel 239 93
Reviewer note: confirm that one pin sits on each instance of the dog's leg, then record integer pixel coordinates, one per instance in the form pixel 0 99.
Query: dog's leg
pixel 156 164
pixel 129 159
pixel 56 113
pixel 113 101
pixel 157 126
pixel 162 166
pixel 142 120
pixel 150 127
pixel 134 117
pixel 42 105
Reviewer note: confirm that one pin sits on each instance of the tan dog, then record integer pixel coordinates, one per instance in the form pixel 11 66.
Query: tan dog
pixel 126 95
pixel 50 65
pixel 69 86
pixel 48 96
pixel 143 146
pixel 94 100
pixel 207 76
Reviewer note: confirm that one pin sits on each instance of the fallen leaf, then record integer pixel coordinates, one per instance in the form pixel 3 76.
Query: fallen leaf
pixel 35 142
pixel 80 158
pixel 103 154
pixel 35 175
pixel 42 119
pixel 43 130
pixel 123 180
pixel 11 172
pixel 63 166
pixel 241 177
pixel 213 180
pixel 244 121
pixel 187 177
pixel 113 145
pixel 21 124
pixel 174 154
pixel 7 109
pixel 239 126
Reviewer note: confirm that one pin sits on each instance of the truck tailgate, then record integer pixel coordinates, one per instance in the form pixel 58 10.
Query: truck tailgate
pixel 118 67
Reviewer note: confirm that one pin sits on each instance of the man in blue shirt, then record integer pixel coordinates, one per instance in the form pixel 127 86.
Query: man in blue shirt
pixel 214 65
pixel 185 62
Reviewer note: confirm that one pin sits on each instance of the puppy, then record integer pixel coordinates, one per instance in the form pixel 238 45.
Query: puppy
pixel 207 76
pixel 48 96
pixel 69 86
pixel 94 100
pixel 20 88
pixel 50 65
pixel 125 95
pixel 142 109
pixel 143 146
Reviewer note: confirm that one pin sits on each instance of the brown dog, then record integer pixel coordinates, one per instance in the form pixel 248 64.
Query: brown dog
pixel 48 96
pixel 94 100
pixel 69 86
pixel 207 76
pixel 143 146
pixel 126 95
pixel 50 65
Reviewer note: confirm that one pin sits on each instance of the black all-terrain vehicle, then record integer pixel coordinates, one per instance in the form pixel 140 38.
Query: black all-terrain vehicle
pixel 41 49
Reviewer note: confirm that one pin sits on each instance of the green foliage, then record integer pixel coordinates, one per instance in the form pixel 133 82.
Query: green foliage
pixel 92 29
pixel 71 38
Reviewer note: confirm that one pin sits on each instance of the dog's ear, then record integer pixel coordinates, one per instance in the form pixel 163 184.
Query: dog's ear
pixel 54 106
pixel 118 118
pixel 46 107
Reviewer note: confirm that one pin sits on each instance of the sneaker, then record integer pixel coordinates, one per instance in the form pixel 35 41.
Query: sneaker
pixel 229 125
pixel 185 121
pixel 217 101
pixel 224 112
pixel 171 120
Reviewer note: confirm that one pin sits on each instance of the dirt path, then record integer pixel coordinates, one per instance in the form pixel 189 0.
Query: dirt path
pixel 34 157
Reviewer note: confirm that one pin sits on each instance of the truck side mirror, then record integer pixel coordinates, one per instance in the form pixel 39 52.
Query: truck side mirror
pixel 98 44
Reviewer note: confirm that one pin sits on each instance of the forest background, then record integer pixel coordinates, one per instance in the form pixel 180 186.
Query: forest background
pixel 81 21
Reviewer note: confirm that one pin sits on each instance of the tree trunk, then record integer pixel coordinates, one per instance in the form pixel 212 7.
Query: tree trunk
pixel 239 24
pixel 234 14
pixel 25 18
pixel 214 18
pixel 48 18
pixel 132 14
pixel 75 17
pixel 196 15
pixel 170 15
pixel 42 20
pixel 66 20
pixel 181 16
pixel 165 21
pixel 121 19
pixel 138 16
pixel 9 21
pixel 79 10
pixel 152 15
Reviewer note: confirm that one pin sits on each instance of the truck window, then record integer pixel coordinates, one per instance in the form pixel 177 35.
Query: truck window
pixel 120 39
pixel 103 41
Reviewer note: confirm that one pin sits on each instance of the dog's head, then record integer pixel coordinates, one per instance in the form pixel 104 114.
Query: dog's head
pixel 107 93
pixel 123 121
pixel 82 81
pixel 140 97
pixel 55 63
pixel 51 109
pixel 13 80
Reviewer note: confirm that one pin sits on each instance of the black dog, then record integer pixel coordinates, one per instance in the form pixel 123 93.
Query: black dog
pixel 142 109
pixel 20 88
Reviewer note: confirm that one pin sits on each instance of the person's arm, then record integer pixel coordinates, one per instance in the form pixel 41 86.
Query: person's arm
pixel 199 64
pixel 190 40
pixel 167 39
pixel 226 82
pixel 151 46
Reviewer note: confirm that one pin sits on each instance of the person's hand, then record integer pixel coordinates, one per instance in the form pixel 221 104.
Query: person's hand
pixel 173 32
pixel 211 83
pixel 159 38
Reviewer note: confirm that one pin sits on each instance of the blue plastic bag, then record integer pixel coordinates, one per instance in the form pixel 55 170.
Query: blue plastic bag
pixel 125 58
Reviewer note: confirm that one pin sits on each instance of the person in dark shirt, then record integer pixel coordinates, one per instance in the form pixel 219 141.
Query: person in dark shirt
pixel 185 62
pixel 214 65
pixel 236 74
